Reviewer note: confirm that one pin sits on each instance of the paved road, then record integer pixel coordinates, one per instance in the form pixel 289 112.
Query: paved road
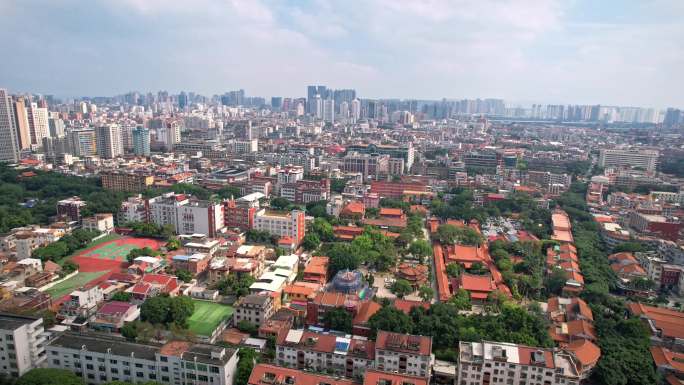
pixel 433 280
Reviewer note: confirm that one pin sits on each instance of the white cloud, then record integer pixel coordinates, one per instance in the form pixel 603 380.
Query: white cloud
pixel 517 49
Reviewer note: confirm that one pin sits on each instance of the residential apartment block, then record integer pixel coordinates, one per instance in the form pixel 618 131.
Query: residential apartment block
pixel 22 344
pixel 484 363
pixel 186 215
pixel 282 224
pixel 100 358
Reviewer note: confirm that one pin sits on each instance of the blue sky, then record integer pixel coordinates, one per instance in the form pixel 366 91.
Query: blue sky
pixel 613 52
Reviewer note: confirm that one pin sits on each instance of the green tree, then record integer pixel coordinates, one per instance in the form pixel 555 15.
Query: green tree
pixel 173 244
pixel 247 327
pixel 421 249
pixel 311 242
pixel 228 192
pixel 48 376
pixel 461 300
pixel 121 296
pixel 401 288
pixel 426 293
pixel 450 234
pixel 323 229
pixel 247 359
pixel 183 275
pixel 555 281
pixel 280 203
pixel 130 331
pixel 338 319
pixel 453 270
pixel 390 319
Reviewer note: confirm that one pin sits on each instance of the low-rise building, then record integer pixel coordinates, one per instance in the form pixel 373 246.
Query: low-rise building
pixel 103 223
pixel 499 362
pixel 325 352
pixel 265 374
pixel 125 181
pixel 254 308
pixel 99 359
pixel 404 354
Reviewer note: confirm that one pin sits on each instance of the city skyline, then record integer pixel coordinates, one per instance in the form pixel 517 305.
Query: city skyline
pixel 612 53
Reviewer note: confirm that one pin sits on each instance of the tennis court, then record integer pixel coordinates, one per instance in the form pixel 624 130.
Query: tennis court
pixel 111 255
pixel 207 316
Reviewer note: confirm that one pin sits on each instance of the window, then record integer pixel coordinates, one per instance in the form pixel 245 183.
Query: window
pixel 214 369
pixel 163 359
pixel 54 353
pixel 90 367
pixel 115 370
pixel 56 362
pixel 113 362
pixel 139 374
pixel 138 365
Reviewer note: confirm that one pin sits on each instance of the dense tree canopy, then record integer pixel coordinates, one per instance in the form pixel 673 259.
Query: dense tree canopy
pixel 450 234
pixel 338 319
pixel 163 309
pixel 46 376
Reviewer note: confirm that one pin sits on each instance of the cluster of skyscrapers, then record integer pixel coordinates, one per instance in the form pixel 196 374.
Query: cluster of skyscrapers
pixel 27 125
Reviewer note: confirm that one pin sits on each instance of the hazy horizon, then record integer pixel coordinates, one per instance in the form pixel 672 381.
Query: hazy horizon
pixel 621 53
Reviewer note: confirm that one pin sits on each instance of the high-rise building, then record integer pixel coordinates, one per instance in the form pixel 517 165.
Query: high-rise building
pixel 329 111
pixel 276 103
pixel 109 144
pixel 82 142
pixel 56 127
pixel 355 110
pixel 182 100
pixel 673 117
pixel 141 141
pixel 344 110
pixel 9 146
pixel 39 126
pixel 173 134
pixel 21 123
pixel 55 147
pixel 22 346
pixel 311 98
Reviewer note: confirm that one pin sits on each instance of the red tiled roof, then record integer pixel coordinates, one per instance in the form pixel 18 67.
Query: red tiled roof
pixel 365 311
pixel 406 305
pixel 375 377
pixel 265 374
pixel 482 283
pixel 401 343
pixel 586 351
pixel 114 308
pixel 670 322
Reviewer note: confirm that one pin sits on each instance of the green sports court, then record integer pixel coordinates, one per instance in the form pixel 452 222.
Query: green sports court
pixel 207 316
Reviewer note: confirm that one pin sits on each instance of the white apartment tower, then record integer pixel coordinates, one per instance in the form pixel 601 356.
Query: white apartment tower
pixel 9 150
pixel 355 110
pixel 22 343
pixel 39 125
pixel 109 144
